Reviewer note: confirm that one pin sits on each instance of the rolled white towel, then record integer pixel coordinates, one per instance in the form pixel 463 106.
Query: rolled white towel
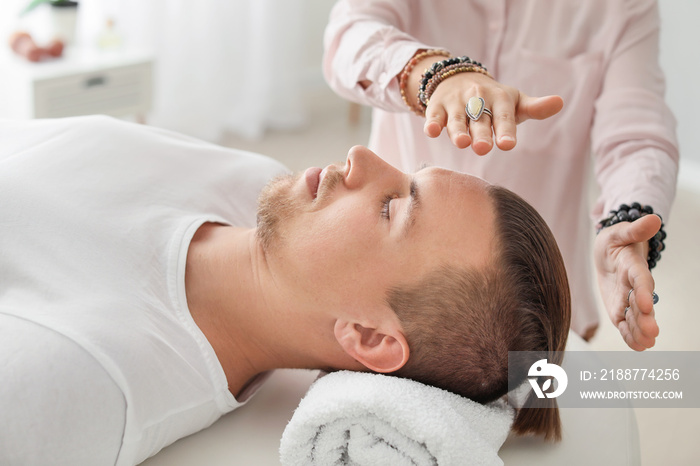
pixel 371 419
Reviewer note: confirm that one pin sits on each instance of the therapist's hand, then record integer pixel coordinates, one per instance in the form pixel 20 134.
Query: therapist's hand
pixel 620 253
pixel 509 106
pixel 446 109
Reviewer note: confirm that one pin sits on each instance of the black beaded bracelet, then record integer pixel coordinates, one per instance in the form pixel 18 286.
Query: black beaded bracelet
pixel 630 213
pixel 439 66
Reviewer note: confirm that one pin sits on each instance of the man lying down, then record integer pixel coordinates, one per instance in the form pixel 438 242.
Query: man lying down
pixel 140 301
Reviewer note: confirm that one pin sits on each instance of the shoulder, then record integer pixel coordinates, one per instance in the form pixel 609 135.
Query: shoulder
pixel 54 389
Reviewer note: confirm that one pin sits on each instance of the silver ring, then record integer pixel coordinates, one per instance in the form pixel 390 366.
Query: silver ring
pixel 629 294
pixel 476 107
pixel 626 309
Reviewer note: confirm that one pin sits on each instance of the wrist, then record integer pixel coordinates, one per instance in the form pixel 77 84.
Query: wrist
pixel 412 72
pixel 416 75
pixel 426 70
pixel 630 213
pixel 442 70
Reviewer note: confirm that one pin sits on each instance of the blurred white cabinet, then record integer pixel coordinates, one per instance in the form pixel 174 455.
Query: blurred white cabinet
pixel 82 82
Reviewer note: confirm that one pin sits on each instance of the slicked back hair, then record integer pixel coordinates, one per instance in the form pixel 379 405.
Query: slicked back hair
pixel 461 323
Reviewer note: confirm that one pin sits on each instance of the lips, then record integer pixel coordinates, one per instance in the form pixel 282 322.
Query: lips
pixel 312 176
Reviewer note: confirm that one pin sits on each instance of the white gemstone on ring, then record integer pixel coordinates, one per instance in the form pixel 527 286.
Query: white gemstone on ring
pixel 475 107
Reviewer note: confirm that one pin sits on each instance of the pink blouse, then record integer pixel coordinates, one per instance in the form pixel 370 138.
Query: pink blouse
pixel 601 56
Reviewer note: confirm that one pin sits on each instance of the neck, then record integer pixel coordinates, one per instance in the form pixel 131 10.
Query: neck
pixel 242 308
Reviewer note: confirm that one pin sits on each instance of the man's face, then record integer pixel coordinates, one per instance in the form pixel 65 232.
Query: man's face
pixel 345 235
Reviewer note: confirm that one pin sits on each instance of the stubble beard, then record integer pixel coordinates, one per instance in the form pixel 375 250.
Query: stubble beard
pixel 275 207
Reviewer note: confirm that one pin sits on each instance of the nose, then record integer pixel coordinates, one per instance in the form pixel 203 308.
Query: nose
pixel 364 166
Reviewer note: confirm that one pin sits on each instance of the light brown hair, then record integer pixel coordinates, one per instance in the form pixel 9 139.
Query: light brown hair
pixel 460 324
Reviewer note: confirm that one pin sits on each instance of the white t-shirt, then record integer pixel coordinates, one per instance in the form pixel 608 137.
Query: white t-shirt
pixel 102 362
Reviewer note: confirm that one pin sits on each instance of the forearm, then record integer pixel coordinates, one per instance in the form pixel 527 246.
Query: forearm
pixel 365 50
pixel 634 133
pixel 637 170
pixel 412 82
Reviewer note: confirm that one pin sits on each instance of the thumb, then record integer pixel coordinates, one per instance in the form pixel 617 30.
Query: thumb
pixel 538 108
pixel 639 231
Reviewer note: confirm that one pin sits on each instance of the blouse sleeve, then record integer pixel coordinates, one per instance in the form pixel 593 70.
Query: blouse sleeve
pixel 364 41
pixel 634 133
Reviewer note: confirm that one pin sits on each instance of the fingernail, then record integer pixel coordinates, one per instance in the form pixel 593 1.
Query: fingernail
pixel 506 139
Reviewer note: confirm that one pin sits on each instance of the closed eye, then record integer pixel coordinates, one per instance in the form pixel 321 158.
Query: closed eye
pixel 386 204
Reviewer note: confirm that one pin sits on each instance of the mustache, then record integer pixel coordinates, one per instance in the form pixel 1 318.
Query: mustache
pixel 330 181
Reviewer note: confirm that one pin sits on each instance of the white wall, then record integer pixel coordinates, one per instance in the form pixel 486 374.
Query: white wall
pixel 315 18
pixel 680 58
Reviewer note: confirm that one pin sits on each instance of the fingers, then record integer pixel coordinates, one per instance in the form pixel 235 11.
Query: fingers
pixel 639 327
pixel 504 124
pixel 642 284
pixel 624 329
pixel 537 108
pixel 454 119
pixel 457 128
pixel 435 120
pixel 639 330
pixel 481 134
pixel 639 231
pixel 624 268
pixel 645 328
pixel 461 130
pixel 508 106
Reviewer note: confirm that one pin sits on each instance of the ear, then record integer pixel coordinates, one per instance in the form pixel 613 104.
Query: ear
pixel 381 351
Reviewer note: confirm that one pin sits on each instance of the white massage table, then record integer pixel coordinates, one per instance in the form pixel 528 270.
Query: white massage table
pixel 251 434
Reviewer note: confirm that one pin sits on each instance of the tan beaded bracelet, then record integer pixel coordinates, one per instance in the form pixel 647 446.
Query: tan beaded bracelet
pixel 403 77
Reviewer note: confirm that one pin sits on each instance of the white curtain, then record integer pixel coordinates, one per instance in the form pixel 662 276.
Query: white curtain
pixel 221 65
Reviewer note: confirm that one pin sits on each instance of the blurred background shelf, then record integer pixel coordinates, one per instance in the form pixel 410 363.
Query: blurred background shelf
pixel 82 82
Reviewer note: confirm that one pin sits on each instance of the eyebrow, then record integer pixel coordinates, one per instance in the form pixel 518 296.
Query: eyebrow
pixel 414 204
pixel 413 207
